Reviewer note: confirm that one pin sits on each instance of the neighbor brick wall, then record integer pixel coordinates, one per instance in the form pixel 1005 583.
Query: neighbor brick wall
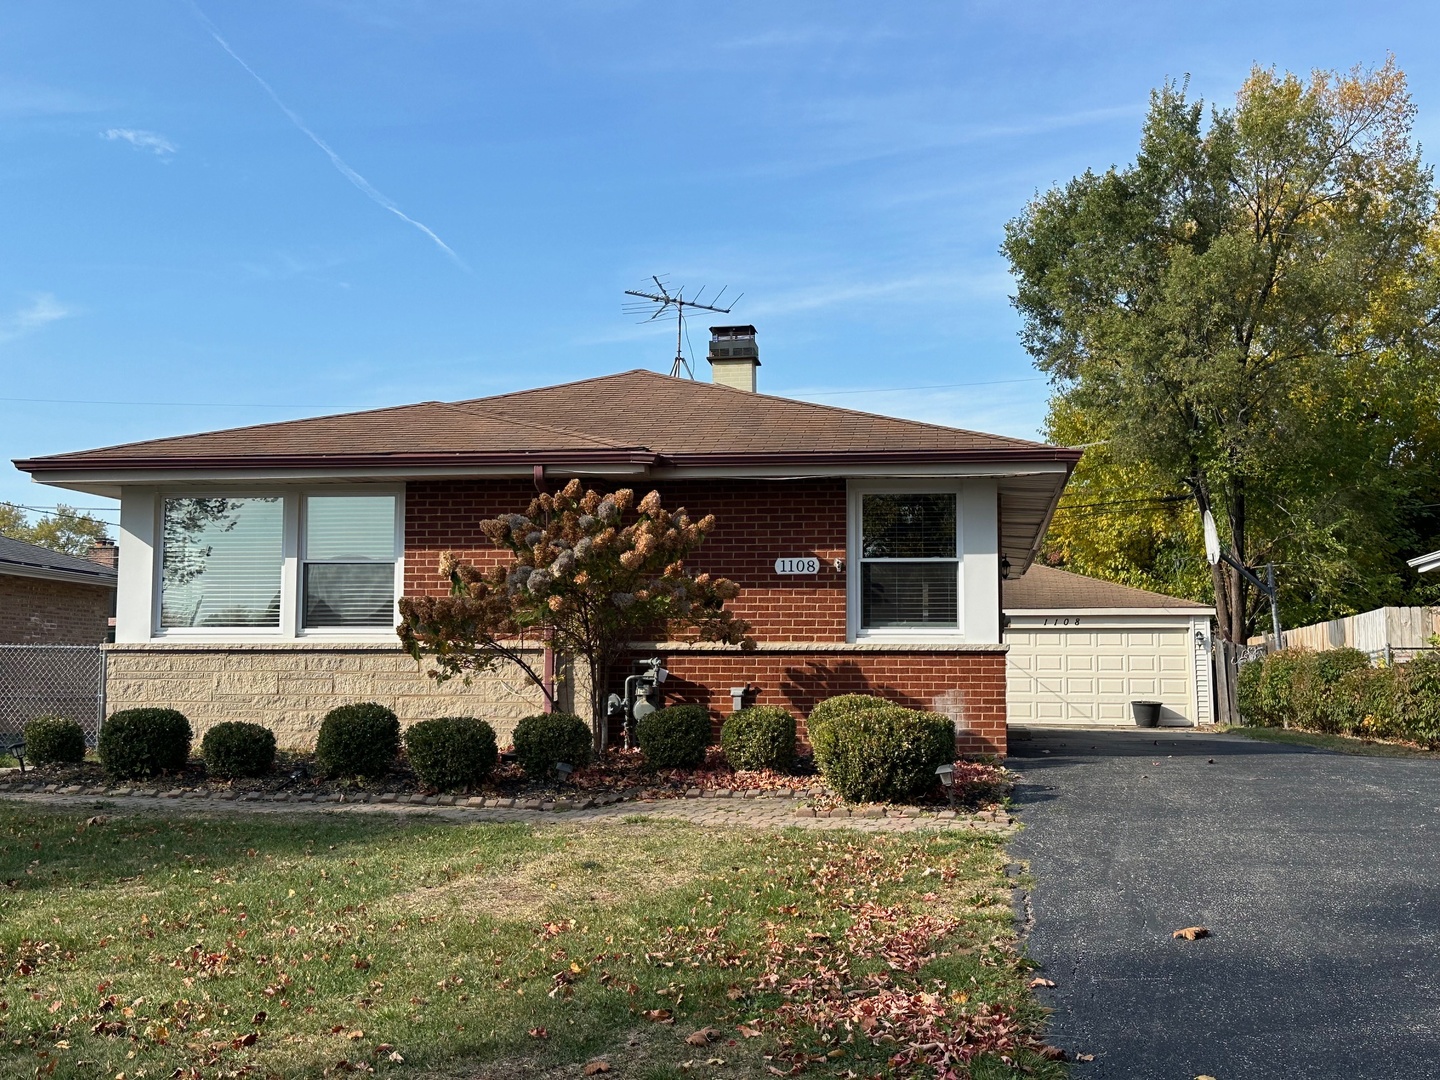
pixel 38 612
pixel 756 522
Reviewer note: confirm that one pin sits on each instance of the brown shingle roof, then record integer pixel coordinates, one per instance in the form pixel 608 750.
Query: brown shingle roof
pixel 1044 588
pixel 636 416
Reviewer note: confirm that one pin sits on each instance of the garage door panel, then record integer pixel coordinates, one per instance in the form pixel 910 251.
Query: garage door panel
pixel 1085 675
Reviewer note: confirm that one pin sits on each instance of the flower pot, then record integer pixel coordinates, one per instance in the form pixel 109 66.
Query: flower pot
pixel 1146 713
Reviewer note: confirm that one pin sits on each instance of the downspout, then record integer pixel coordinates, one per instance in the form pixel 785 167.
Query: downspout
pixel 548 679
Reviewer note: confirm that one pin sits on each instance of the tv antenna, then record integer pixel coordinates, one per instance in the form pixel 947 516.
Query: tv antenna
pixel 663 300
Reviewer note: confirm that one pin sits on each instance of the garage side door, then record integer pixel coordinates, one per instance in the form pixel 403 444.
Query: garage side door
pixel 1077 675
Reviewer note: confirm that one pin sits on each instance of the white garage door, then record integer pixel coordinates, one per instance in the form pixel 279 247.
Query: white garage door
pixel 1089 675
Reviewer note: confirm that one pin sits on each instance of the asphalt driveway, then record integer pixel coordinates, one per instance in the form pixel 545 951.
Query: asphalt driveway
pixel 1318 875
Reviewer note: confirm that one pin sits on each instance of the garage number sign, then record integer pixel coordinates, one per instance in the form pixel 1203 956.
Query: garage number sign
pixel 808 565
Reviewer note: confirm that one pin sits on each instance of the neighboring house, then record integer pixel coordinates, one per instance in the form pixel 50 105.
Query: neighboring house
pixel 1082 649
pixel 47 598
pixel 1425 563
pixel 261 566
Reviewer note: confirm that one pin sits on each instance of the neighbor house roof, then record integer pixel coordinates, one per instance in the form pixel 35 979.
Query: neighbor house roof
pixel 1044 588
pixel 20 559
pixel 637 424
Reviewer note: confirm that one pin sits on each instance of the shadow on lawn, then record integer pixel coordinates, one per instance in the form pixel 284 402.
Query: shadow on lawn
pixel 42 849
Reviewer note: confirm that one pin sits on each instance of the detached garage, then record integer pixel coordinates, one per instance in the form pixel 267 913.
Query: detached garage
pixel 1081 650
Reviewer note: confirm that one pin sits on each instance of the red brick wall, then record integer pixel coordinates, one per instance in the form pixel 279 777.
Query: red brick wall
pixel 756 522
pixel 38 612
pixel 967 686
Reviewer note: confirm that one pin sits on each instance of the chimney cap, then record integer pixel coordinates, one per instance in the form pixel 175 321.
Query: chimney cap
pixel 732 331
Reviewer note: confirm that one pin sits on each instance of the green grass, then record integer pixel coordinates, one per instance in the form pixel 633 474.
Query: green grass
pixel 151 946
pixel 1342 744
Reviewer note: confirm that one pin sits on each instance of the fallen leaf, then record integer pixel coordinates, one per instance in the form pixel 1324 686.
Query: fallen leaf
pixel 357 1035
pixel 596 1067
pixel 538 1033
pixel 1204 1076
pixel 748 1031
pixel 395 1057
pixel 703 1036
pixel 1084 1057
pixel 659 1016
pixel 1033 983
pixel 1191 933
pixel 259 1018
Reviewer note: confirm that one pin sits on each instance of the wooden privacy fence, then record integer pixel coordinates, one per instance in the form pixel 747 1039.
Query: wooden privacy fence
pixel 1390 632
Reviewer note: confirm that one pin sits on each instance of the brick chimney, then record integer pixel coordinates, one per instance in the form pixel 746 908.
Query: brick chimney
pixel 733 356
pixel 104 552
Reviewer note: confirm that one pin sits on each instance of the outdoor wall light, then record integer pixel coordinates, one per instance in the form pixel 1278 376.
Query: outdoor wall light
pixel 564 769
pixel 1004 568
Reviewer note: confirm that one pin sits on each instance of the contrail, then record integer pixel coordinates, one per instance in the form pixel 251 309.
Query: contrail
pixel 335 159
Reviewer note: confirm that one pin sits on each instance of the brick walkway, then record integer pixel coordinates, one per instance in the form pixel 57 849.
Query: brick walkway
pixel 743 809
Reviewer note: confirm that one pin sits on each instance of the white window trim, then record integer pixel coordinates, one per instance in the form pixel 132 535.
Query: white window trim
pixel 853 543
pixel 290 618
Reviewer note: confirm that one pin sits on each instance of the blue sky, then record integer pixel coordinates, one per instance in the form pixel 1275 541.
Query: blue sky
pixel 174 238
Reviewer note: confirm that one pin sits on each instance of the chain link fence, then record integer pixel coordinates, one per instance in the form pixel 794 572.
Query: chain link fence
pixel 55 680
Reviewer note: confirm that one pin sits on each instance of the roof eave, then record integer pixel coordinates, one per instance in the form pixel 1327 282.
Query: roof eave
pixel 102 578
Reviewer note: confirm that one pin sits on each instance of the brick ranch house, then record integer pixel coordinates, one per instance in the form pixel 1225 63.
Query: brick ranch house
pixel 50 598
pixel 260 567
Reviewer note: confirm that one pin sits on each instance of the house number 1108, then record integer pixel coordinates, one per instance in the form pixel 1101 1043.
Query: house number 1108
pixel 809 565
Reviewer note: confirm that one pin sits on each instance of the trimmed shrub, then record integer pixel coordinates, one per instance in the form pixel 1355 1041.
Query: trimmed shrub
pixel 675 738
pixel 451 752
pixel 236 748
pixel 136 743
pixel 546 739
pixel 54 739
pixel 845 703
pixel 1359 703
pixel 1334 664
pixel 1247 692
pixel 760 737
pixel 875 755
pixel 358 740
pixel 1288 688
pixel 1417 699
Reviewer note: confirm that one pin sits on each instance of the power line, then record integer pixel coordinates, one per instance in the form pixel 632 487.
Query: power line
pixel 263 405
pixel 933 386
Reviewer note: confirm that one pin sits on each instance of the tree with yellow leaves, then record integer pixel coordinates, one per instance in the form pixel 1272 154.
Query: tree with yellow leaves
pixel 1246 316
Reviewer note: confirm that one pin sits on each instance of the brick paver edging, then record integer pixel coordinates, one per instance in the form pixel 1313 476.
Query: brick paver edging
pixel 758 812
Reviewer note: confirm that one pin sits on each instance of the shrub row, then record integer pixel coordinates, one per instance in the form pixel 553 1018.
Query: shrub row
pixel 1338 693
pixel 866 748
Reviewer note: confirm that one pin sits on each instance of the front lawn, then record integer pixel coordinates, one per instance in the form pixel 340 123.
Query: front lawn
pixel 157 946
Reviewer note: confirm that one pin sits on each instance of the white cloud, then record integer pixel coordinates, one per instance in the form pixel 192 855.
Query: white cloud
pixel 141 140
pixel 42 310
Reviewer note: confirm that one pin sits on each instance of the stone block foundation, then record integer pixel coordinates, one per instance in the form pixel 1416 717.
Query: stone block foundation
pixel 290 687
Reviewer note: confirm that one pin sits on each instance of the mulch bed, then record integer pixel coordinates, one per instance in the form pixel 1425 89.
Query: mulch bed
pixel 621 773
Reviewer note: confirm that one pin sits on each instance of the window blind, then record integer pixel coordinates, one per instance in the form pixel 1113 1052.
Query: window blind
pixel 349 577
pixel 909 563
pixel 221 562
